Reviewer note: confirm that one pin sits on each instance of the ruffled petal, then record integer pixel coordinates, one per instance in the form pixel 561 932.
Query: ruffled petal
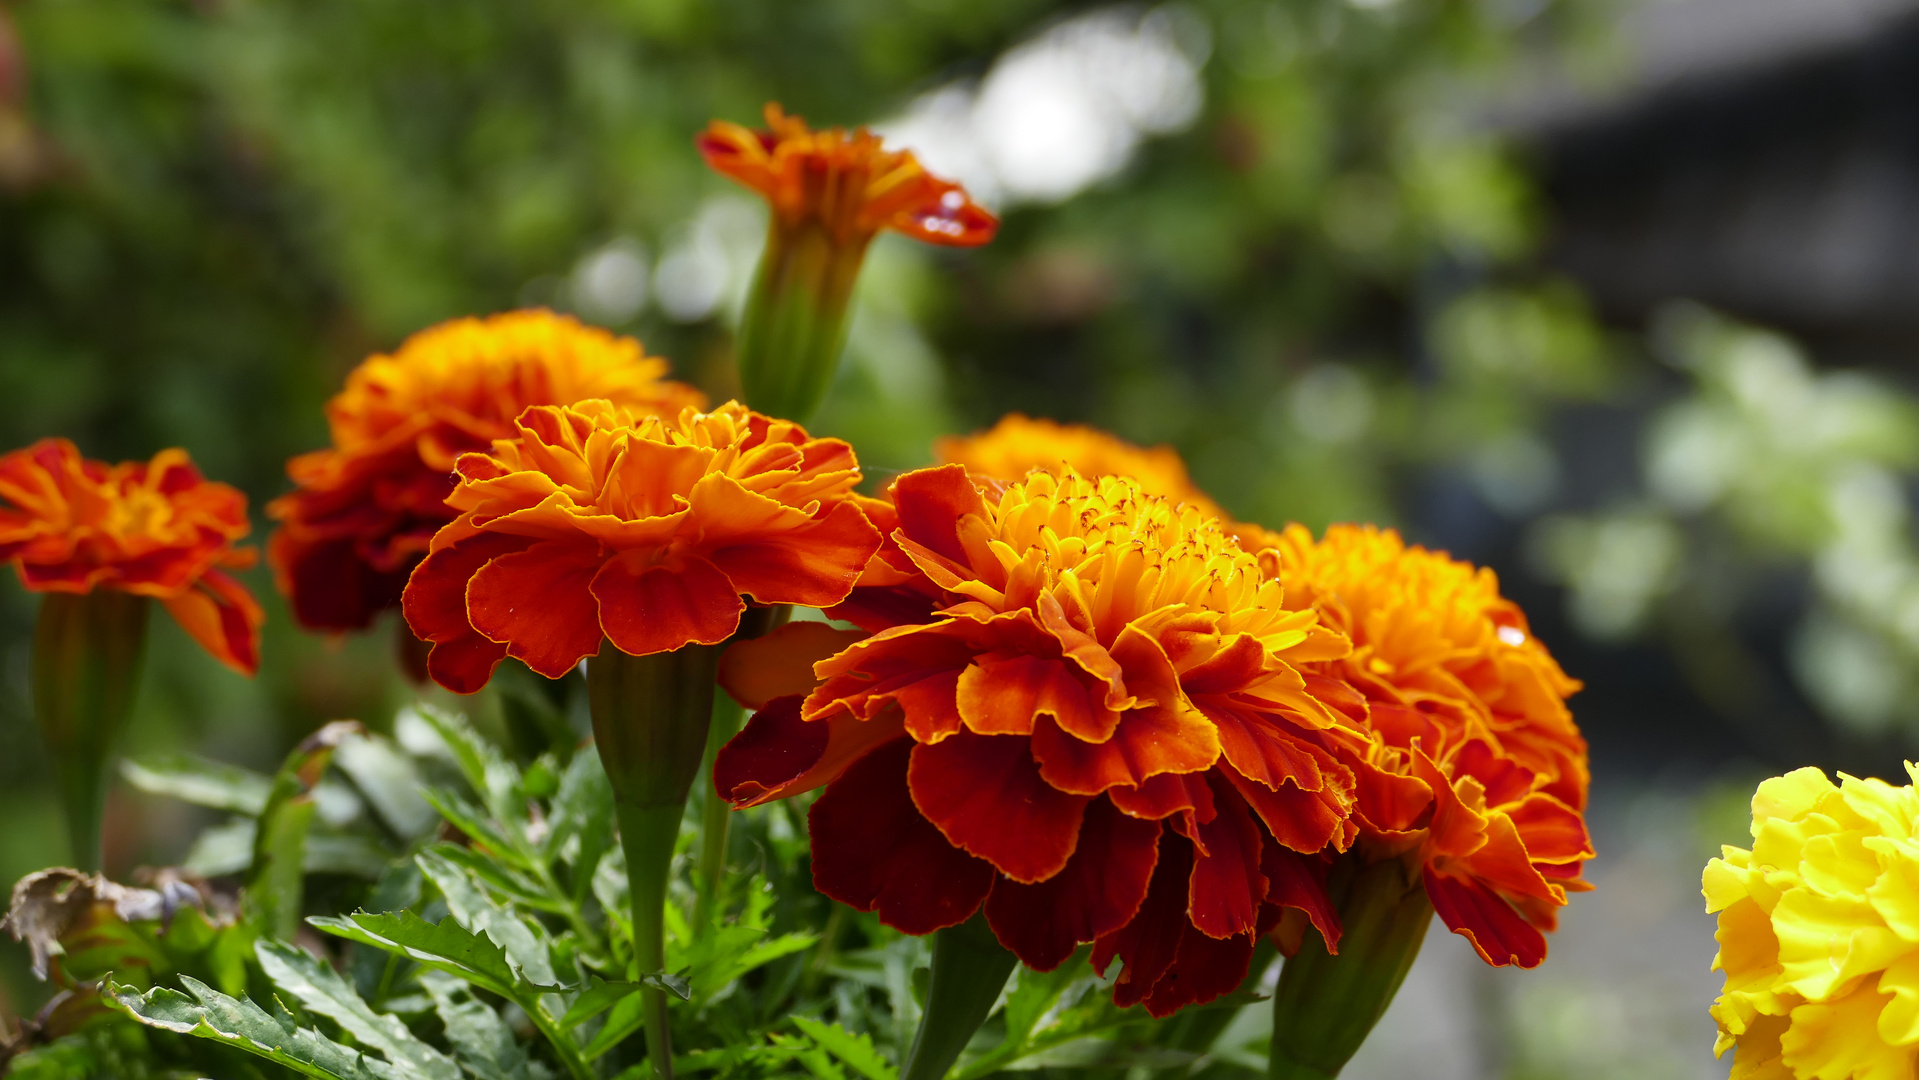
pixel 874 852
pixel 1498 933
pixel 778 754
pixel 538 603
pixel 984 793
pixel 757 670
pixel 1100 890
pixel 220 614
pixel 815 565
pixel 659 608
pixel 434 603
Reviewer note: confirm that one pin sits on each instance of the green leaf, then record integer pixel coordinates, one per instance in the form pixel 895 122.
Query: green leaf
pixel 443 946
pixel 322 991
pixel 625 1018
pixel 491 776
pixel 584 809
pixel 472 908
pixel 485 831
pixel 600 995
pixel 389 781
pixel 856 1051
pixel 200 781
pixel 481 1040
pixel 276 880
pixel 227 848
pixel 241 1024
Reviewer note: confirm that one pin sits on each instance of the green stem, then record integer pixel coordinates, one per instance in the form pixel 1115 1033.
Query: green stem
pixel 970 968
pixel 1326 1005
pixel 716 817
pixel 650 719
pixel 86 664
pixel 796 317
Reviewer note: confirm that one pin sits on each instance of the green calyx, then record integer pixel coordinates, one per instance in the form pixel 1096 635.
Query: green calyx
pixel 970 968
pixel 650 721
pixel 1327 1004
pixel 797 317
pixel 86 665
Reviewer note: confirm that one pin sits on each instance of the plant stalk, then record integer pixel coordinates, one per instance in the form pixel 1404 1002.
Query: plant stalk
pixel 795 322
pixel 716 817
pixel 1327 1004
pixel 650 720
pixel 87 650
pixel 970 968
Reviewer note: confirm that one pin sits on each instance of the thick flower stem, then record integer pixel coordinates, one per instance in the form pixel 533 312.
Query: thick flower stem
pixel 970 968
pixel 796 317
pixel 716 817
pixel 650 718
pixel 1326 1005
pixel 86 663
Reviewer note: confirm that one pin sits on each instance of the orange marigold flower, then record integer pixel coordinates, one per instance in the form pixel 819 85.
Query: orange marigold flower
pixel 595 522
pixel 367 507
pixel 1476 761
pixel 847 181
pixel 157 528
pixel 1098 730
pixel 1019 444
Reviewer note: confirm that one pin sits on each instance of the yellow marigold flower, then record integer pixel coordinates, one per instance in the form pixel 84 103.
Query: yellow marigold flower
pixel 1819 932
pixel 1018 444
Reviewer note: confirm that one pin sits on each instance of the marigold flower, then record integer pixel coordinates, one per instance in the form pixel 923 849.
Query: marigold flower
pixel 595 522
pixel 156 528
pixel 1475 763
pixel 1819 932
pixel 831 192
pixel 366 508
pixel 847 181
pixel 1098 731
pixel 1019 444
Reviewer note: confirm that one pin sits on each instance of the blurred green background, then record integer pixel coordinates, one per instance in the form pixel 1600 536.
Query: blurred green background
pixel 1406 261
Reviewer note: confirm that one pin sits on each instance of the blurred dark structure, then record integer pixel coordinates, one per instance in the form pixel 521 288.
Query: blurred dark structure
pixel 1783 190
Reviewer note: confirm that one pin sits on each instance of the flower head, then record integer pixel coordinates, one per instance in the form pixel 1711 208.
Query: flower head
pixel 1819 931
pixel 155 528
pixel 845 181
pixel 366 508
pixel 1097 729
pixel 593 522
pixel 1018 444
pixel 1475 767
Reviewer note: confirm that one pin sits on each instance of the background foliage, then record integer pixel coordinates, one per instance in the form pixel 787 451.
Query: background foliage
pixel 1302 255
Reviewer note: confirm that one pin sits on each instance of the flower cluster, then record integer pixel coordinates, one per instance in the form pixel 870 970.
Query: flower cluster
pixel 157 528
pixel 593 522
pixel 1098 730
pixel 1819 931
pixel 365 509
pixel 1475 766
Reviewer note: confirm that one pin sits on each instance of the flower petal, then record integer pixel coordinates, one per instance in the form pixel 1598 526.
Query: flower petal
pixel 538 604
pixel 1099 891
pixel 985 795
pixel 1479 915
pixel 220 614
pixel 757 670
pixel 1149 741
pixel 654 609
pixel 778 754
pixel 874 852
pixel 815 565
pixel 434 603
pixel 1226 887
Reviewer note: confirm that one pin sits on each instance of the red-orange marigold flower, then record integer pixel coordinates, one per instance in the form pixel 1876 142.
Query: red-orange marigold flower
pixel 847 181
pixel 367 507
pixel 1099 733
pixel 593 522
pixel 153 528
pixel 1476 762
pixel 1019 444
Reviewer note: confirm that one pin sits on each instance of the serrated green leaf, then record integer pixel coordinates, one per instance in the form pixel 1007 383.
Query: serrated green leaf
pixel 481 1040
pixel 598 997
pixel 322 991
pixel 625 1018
pixel 857 1051
pixel 499 878
pixel 276 878
pixel 474 821
pixel 200 781
pixel 239 1023
pixel 584 809
pixel 472 908
pixel 444 946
